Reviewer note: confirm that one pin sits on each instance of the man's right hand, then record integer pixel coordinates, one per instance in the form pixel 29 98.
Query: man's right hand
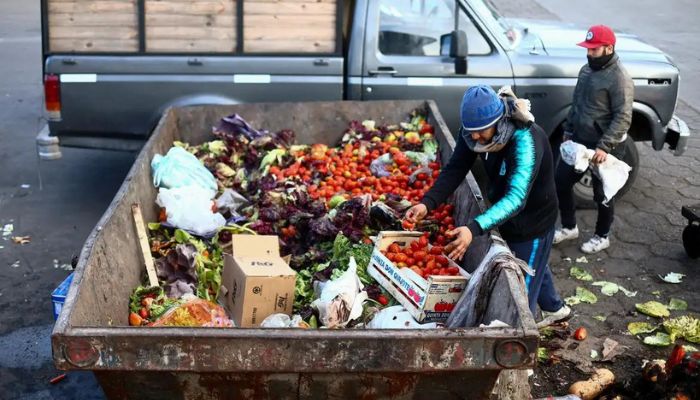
pixel 416 213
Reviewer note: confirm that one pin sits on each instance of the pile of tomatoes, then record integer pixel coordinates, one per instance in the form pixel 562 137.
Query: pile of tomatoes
pixel 421 258
pixel 345 170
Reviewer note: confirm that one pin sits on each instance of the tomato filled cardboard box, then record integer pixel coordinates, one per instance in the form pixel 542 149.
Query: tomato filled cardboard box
pixel 257 281
pixel 429 299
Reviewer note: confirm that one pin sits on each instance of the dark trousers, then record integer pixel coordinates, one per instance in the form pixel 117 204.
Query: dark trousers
pixel 540 287
pixel 566 177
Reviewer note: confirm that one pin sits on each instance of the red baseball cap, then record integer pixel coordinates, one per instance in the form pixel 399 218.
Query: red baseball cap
pixel 597 36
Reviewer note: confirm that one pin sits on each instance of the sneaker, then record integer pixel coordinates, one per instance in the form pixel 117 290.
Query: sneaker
pixel 563 234
pixel 595 244
pixel 552 317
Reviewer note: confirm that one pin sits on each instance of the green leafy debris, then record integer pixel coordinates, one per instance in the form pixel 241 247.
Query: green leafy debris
pixel 677 305
pixel 582 295
pixel 580 274
pixel 610 288
pixel 660 339
pixel 672 277
pixel 638 328
pixel 685 327
pixel 654 309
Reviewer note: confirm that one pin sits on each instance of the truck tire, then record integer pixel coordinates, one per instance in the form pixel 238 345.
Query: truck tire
pixel 583 190
pixel 691 240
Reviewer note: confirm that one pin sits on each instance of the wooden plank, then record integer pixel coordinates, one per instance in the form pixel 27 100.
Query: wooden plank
pixel 299 33
pixel 160 45
pixel 191 7
pixel 285 21
pixel 97 6
pixel 288 1
pixel 107 32
pixel 76 19
pixel 222 21
pixel 93 45
pixel 186 32
pixel 143 245
pixel 288 46
pixel 309 8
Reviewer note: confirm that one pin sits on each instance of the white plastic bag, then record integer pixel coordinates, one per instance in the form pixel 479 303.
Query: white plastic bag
pixel 283 321
pixel 341 299
pixel 397 317
pixel 613 172
pixel 180 168
pixel 576 155
pixel 190 208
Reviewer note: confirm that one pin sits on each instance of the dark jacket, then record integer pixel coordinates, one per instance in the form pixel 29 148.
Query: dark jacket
pixel 522 192
pixel 601 112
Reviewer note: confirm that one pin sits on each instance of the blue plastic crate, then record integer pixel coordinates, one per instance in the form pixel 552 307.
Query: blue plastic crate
pixel 58 296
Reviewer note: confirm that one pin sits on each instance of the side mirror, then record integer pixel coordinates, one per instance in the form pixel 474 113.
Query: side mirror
pixel 454 45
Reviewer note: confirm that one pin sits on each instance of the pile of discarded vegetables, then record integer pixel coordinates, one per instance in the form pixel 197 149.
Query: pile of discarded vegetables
pixel 323 202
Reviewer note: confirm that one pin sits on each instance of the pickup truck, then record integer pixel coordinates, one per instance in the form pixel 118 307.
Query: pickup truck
pixel 111 68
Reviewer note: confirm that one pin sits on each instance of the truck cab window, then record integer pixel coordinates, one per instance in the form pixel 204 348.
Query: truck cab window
pixel 414 27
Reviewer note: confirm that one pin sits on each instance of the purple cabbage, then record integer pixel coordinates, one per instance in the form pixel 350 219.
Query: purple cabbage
pixel 235 125
pixel 178 271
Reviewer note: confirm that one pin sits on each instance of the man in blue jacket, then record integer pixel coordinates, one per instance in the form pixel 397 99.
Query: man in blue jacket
pixel 518 160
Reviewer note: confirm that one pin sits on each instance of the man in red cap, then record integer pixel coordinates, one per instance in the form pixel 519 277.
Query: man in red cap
pixel 599 118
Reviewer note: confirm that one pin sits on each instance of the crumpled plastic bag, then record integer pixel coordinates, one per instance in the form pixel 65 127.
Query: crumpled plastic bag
pixel 340 300
pixel 613 173
pixel 195 312
pixel 397 317
pixel 517 109
pixel 230 201
pixel 190 208
pixel 179 168
pixel 283 321
pixel 379 165
pixel 469 310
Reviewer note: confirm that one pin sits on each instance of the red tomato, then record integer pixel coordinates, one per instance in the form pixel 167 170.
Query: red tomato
pixel 436 250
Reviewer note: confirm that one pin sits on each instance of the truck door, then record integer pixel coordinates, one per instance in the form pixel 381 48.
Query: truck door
pixel 403 61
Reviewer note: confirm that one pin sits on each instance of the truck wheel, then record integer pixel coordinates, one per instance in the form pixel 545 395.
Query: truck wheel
pixel 583 190
pixel 691 240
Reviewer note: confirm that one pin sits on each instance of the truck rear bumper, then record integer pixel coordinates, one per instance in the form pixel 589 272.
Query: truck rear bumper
pixel 46 145
pixel 677 134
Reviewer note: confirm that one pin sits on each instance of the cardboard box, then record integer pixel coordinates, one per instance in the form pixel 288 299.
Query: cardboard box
pixel 58 296
pixel 428 300
pixel 257 281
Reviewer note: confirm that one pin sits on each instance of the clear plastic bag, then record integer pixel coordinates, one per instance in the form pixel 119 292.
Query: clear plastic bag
pixel 195 312
pixel 180 168
pixel 190 208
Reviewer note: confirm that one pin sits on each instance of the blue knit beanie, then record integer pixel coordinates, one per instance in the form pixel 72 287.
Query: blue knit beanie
pixel 481 107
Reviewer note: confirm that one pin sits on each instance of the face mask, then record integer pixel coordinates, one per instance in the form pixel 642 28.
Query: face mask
pixel 597 63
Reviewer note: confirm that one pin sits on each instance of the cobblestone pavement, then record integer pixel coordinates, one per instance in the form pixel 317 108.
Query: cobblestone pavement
pixel 645 242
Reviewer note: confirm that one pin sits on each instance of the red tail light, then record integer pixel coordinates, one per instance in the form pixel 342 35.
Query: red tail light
pixel 52 96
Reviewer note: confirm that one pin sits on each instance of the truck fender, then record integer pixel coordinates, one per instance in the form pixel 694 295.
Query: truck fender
pixel 192 100
pixel 652 124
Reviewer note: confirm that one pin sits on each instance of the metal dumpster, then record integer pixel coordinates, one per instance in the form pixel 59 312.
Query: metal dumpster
pixel 92 332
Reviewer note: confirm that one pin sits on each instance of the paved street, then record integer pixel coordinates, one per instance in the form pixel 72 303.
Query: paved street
pixel 646 238
pixel 58 203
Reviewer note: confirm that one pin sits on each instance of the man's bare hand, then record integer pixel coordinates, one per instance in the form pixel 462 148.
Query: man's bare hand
pixel 416 213
pixel 459 245
pixel 599 157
